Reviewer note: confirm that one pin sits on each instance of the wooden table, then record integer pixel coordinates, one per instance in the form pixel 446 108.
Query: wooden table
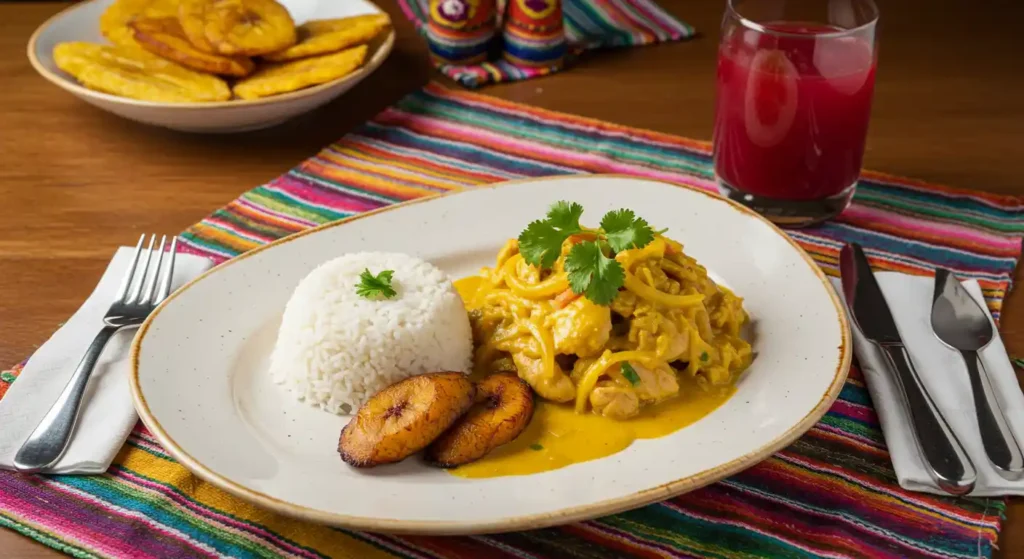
pixel 75 182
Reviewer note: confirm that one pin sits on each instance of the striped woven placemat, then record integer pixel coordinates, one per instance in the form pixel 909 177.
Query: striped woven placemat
pixel 832 493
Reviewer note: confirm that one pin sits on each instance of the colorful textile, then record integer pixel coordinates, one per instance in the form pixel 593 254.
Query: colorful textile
pixel 832 493
pixel 589 24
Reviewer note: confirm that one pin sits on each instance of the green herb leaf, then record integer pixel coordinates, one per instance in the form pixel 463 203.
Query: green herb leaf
pixel 536 446
pixel 593 274
pixel 630 373
pixel 541 242
pixel 579 264
pixel 565 216
pixel 704 357
pixel 371 286
pixel 624 230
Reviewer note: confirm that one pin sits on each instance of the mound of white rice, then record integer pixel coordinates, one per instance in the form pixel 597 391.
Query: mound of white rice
pixel 335 348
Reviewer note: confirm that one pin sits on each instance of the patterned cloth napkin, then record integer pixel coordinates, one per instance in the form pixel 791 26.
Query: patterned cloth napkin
pixel 831 493
pixel 589 24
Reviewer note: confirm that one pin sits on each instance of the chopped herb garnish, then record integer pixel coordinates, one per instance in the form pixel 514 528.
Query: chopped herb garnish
pixel 704 357
pixel 371 286
pixel 630 373
pixel 591 266
pixel 536 446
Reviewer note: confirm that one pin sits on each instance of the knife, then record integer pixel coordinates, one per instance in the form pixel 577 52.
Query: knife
pixel 944 456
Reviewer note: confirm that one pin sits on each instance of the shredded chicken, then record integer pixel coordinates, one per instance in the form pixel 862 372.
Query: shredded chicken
pixel 655 384
pixel 624 304
pixel 654 331
pixel 613 401
pixel 581 328
pixel 527 273
pixel 557 388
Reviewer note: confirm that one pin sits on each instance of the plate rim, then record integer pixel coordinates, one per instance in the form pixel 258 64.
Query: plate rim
pixel 510 524
pixel 79 90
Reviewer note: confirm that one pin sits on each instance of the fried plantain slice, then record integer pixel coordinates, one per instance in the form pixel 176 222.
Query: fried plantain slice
pixel 274 79
pixel 192 17
pixel 135 73
pixel 331 35
pixel 73 57
pixel 237 27
pixel 164 37
pixel 503 409
pixel 115 19
pixel 404 418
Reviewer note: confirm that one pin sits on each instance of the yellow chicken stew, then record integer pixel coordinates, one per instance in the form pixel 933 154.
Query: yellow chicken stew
pixel 558 436
pixel 669 326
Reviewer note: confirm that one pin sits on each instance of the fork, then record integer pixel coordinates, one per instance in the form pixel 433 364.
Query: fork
pixel 134 301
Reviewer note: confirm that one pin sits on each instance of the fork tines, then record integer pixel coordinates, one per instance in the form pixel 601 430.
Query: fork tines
pixel 145 288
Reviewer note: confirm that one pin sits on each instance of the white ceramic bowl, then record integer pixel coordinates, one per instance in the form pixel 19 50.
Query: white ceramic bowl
pixel 81 23
pixel 200 383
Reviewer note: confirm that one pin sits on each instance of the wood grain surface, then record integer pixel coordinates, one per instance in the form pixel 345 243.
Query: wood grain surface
pixel 76 182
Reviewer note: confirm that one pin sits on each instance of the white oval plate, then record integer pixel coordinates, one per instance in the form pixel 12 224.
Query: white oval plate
pixel 80 22
pixel 200 381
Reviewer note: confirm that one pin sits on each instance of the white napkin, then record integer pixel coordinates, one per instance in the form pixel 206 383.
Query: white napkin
pixel 107 415
pixel 944 374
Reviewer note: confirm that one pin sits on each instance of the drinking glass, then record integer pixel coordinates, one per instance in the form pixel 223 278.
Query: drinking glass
pixel 794 88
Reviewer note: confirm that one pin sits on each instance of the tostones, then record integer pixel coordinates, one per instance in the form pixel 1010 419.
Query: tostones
pixel 297 74
pixel 115 19
pixel 135 73
pixel 331 35
pixel 164 37
pixel 237 27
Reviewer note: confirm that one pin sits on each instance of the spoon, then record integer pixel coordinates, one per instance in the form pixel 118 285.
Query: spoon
pixel 960 323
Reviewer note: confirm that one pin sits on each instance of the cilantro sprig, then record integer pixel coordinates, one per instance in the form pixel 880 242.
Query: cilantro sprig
pixel 541 242
pixel 624 230
pixel 590 264
pixel 371 286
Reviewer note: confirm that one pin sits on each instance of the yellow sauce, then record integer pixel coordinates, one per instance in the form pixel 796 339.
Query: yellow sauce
pixel 557 436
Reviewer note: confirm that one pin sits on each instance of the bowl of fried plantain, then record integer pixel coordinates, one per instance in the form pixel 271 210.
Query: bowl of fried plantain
pixel 211 66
